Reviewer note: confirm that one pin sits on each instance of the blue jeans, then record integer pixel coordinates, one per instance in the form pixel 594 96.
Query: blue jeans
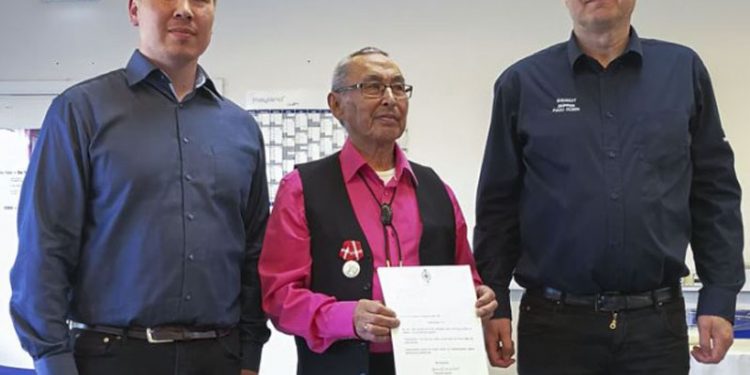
pixel 558 339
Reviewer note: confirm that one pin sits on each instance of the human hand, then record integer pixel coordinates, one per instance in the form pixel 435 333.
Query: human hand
pixel 248 372
pixel 373 321
pixel 486 303
pixel 716 336
pixel 498 340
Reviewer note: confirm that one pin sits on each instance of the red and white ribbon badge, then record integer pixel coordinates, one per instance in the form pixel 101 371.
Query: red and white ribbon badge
pixel 351 250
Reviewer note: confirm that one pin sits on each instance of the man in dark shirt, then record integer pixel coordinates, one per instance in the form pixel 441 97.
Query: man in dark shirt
pixel 141 217
pixel 605 158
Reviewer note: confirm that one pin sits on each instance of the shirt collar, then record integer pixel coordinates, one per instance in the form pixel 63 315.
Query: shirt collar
pixel 139 68
pixel 633 52
pixel 352 162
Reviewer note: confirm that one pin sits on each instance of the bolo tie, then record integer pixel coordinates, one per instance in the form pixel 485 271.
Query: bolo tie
pixel 386 219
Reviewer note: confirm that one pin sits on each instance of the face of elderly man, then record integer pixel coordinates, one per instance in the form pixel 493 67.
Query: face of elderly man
pixel 371 121
pixel 600 15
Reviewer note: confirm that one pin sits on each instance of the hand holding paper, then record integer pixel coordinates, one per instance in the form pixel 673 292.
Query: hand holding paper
pixel 373 321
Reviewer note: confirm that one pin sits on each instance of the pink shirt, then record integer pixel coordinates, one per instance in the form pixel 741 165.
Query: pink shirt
pixel 285 261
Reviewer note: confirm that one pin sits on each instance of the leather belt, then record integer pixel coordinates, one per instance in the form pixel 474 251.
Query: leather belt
pixel 156 335
pixel 612 301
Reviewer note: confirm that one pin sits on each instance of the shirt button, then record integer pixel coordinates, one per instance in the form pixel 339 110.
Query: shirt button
pixel 188 177
pixel 185 140
pixel 614 196
pixel 610 115
pixel 612 154
pixel 191 257
pixel 190 217
pixel 188 297
pixel 181 105
pixel 367 286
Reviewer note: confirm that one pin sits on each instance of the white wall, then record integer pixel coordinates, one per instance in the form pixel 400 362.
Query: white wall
pixel 451 51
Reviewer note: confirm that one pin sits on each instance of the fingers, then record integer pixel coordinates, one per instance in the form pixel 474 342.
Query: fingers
pixel 507 349
pixel 715 339
pixel 499 342
pixel 485 312
pixel 491 343
pixel 486 303
pixel 373 321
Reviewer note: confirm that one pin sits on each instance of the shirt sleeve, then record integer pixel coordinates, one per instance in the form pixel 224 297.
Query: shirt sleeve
pixel 254 332
pixel 51 217
pixel 285 274
pixel 496 235
pixel 463 254
pixel 717 233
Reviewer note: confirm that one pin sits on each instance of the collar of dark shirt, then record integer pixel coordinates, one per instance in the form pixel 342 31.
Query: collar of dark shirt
pixel 633 52
pixel 352 162
pixel 139 69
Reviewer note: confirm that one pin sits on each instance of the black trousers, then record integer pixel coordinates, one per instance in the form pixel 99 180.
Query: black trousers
pixel 382 364
pixel 559 340
pixel 99 353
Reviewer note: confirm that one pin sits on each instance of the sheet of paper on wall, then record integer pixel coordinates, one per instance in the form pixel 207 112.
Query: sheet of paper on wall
pixel 313 151
pixel 326 126
pixel 440 333
pixel 314 134
pixel 13 162
pixel 289 128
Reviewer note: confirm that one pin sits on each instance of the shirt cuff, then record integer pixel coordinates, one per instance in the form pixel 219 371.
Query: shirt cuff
pixel 59 364
pixel 503 303
pixel 338 322
pixel 713 300
pixel 251 353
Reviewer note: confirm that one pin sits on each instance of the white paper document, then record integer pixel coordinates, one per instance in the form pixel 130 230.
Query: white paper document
pixel 440 333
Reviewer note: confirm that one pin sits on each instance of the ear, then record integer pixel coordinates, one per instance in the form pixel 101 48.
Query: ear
pixel 334 104
pixel 133 12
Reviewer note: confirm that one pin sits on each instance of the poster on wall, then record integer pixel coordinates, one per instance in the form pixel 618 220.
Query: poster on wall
pixel 16 145
pixel 297 127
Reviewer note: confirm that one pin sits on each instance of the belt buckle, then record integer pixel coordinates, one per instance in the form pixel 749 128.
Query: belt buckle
pixel 150 338
pixel 606 301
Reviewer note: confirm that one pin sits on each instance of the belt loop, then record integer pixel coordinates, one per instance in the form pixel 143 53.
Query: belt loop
pixel 597 299
pixel 655 300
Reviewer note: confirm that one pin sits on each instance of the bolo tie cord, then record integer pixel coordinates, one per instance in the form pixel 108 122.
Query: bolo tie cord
pixel 386 219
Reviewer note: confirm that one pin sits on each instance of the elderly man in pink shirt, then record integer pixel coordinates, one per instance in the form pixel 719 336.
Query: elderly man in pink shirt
pixel 337 219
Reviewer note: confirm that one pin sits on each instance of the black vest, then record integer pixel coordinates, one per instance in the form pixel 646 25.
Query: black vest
pixel 331 221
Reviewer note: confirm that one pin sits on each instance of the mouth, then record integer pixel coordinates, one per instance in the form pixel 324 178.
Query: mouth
pixel 182 31
pixel 389 118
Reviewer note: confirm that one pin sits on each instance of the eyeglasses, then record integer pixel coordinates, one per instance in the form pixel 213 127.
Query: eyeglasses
pixel 377 89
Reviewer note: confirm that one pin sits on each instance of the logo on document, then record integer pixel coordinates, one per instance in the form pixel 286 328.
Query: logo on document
pixel 566 105
pixel 426 277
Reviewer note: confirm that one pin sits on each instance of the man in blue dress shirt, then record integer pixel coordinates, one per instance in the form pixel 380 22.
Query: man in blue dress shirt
pixel 141 216
pixel 605 159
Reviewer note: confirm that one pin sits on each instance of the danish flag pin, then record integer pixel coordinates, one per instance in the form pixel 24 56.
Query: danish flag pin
pixel 351 252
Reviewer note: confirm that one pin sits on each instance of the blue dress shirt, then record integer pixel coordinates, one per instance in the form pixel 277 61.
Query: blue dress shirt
pixel 597 179
pixel 140 210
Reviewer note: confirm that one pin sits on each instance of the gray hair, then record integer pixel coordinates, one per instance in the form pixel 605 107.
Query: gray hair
pixel 342 68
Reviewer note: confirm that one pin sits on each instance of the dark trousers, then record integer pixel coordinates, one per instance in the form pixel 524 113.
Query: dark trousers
pixel 555 339
pixel 99 353
pixel 382 364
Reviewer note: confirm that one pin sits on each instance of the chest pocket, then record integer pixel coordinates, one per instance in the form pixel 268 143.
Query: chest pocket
pixel 233 167
pixel 664 139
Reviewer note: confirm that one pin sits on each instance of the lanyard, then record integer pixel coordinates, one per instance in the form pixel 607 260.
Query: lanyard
pixel 386 219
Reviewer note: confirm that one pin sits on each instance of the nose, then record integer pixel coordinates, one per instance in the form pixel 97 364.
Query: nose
pixel 388 97
pixel 183 9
